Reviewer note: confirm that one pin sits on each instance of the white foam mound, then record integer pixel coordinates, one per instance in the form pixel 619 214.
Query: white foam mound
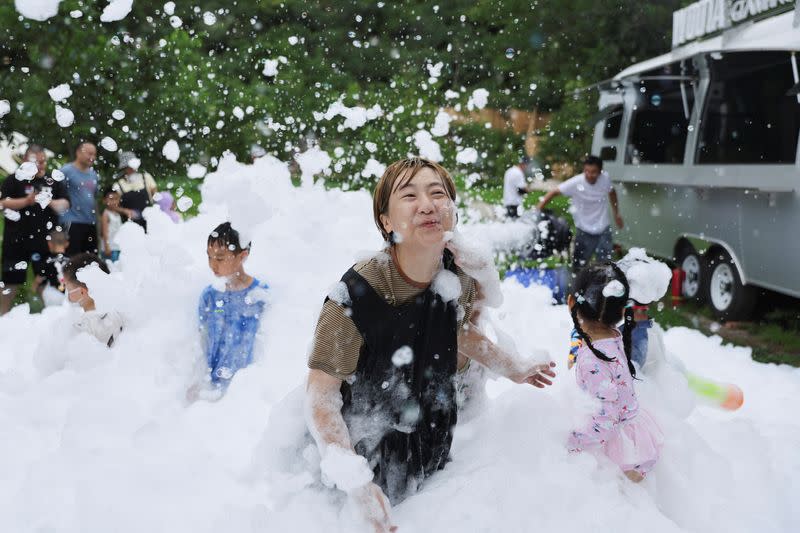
pixel 116 10
pixel 648 277
pixel 37 9
pixel 102 440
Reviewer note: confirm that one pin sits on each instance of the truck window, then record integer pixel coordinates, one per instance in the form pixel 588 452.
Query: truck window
pixel 748 115
pixel 659 122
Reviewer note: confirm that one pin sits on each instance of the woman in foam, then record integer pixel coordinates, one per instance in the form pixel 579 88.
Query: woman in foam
pixel 618 428
pixel 390 339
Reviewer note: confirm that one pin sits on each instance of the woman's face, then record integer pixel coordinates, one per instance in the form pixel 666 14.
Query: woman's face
pixel 420 211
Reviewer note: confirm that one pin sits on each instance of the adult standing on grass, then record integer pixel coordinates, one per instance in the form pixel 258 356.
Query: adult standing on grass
pixel 381 392
pixel 591 192
pixel 136 188
pixel 81 218
pixel 38 200
pixel 515 187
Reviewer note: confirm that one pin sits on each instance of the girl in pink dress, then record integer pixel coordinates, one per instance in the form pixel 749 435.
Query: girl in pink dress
pixel 619 428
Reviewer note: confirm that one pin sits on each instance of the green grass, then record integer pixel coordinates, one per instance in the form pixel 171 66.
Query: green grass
pixel 770 340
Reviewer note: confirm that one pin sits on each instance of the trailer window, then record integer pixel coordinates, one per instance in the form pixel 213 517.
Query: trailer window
pixel 660 119
pixel 749 115
pixel 612 126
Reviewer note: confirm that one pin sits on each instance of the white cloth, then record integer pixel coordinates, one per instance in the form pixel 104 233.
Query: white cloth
pixel 134 182
pixel 590 202
pixel 114 223
pixel 104 326
pixel 513 180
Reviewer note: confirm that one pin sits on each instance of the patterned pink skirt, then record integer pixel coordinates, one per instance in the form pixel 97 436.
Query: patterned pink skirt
pixel 636 444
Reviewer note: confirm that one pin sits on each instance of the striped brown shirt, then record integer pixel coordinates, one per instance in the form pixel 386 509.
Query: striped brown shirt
pixel 337 342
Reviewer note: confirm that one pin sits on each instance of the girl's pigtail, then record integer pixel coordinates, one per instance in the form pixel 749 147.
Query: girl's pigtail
pixel 627 330
pixel 582 334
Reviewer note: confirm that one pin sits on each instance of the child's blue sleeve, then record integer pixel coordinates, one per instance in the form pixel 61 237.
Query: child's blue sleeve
pixel 204 309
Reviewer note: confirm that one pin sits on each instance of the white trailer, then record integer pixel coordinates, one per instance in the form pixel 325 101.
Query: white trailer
pixel 702 143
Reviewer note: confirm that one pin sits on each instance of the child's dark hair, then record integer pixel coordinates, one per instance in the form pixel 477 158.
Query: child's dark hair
pixel 225 236
pixel 77 262
pixel 592 304
pixel 109 190
pixel 58 237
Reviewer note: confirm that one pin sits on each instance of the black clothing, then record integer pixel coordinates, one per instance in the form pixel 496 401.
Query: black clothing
pixel 137 200
pixel 82 238
pixel 25 240
pixel 35 222
pixel 400 408
pixel 17 256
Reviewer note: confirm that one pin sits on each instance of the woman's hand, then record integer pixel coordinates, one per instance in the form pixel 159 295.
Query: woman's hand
pixel 374 507
pixel 537 375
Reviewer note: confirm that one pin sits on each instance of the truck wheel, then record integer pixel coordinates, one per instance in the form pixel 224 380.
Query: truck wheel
pixel 694 267
pixel 728 297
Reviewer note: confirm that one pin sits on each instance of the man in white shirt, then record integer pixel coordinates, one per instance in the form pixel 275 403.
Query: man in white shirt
pixel 590 192
pixel 515 187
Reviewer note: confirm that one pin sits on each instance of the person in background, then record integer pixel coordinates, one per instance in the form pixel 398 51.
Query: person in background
pixel 515 187
pixel 105 326
pixel 36 199
pixel 591 192
pixel 54 288
pixel 136 188
pixel 110 222
pixel 81 183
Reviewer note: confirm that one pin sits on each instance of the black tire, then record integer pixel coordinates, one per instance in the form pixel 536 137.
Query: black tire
pixel 728 297
pixel 695 284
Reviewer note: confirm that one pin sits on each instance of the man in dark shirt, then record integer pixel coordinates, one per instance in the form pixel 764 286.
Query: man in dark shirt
pixel 31 200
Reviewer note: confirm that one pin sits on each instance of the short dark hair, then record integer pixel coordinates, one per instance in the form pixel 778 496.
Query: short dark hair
pixel 226 236
pixel 78 262
pixel 34 149
pixel 81 143
pixel 593 160
pixel 58 236
pixel 109 190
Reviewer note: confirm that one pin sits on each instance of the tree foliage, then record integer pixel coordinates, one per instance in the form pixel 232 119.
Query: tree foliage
pixel 201 82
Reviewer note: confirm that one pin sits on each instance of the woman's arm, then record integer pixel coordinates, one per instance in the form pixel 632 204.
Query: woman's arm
pixel 324 411
pixel 474 345
pixel 349 471
pixel 15 204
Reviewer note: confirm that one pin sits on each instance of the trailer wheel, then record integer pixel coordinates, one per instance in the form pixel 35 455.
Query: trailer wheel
pixel 696 273
pixel 729 298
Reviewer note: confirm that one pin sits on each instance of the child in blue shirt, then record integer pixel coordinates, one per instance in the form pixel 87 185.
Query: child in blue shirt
pixel 229 318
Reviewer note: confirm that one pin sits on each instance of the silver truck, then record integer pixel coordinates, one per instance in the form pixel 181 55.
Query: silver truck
pixel 702 144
